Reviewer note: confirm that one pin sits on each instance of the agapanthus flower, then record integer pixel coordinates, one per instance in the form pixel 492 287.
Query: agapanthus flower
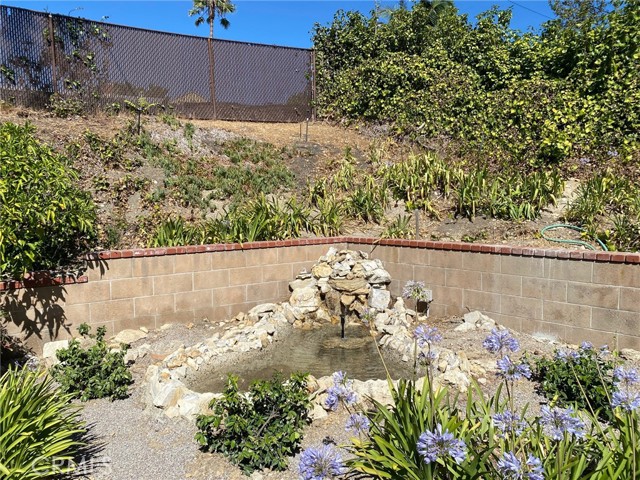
pixel 499 341
pixel 508 422
pixel 368 316
pixel 340 391
pixel 322 463
pixel 565 355
pixel 512 371
pixel 358 423
pixel 426 335
pixel 439 444
pixel 586 346
pixel 627 399
pixel 625 377
pixel 415 291
pixel 427 358
pixel 560 421
pixel 512 469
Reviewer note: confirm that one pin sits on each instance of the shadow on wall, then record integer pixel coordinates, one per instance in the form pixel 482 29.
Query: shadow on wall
pixel 35 312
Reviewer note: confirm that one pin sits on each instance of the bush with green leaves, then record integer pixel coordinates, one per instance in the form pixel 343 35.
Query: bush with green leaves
pixel 92 372
pixel 258 429
pixel 46 221
pixel 39 427
pixel 581 378
pixel 484 89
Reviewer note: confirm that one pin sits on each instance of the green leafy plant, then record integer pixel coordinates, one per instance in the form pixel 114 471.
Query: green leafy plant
pixel 65 107
pixel 581 378
pixel 40 427
pixel 92 372
pixel 259 429
pixel 46 221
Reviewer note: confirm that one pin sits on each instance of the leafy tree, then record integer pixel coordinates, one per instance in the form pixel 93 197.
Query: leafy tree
pixel 571 91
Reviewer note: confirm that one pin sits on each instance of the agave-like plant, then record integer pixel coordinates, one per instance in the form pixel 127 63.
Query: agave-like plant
pixel 39 427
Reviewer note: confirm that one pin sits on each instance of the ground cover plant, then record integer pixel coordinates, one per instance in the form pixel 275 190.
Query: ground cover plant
pixel 260 428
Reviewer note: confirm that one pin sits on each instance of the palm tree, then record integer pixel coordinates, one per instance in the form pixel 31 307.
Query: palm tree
pixel 207 10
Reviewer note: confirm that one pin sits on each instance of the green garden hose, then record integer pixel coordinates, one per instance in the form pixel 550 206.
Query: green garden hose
pixel 572 242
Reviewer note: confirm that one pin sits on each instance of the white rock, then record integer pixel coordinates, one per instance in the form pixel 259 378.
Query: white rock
pixel 49 350
pixel 318 412
pixel 465 327
pixel 379 298
pixel 167 326
pixel 306 300
pixel 169 394
pixel 261 309
pixel 189 404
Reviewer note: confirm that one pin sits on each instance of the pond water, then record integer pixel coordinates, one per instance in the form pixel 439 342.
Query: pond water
pixel 319 352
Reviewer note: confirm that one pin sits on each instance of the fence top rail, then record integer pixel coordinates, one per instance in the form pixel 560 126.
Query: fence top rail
pixel 9 7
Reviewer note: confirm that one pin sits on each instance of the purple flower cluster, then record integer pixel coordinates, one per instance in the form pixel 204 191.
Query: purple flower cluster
pixel 501 341
pixel 426 336
pixel 415 291
pixel 512 371
pixel 508 422
pixel 627 395
pixel 439 444
pixel 358 424
pixel 513 469
pixel 340 391
pixel 324 463
pixel 559 422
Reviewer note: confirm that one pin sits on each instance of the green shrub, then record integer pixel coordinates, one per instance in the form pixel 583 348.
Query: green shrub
pixel 39 428
pixel 579 378
pixel 93 372
pixel 46 221
pixel 258 429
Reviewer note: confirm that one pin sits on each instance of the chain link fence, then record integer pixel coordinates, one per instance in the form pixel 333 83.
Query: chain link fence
pixel 46 59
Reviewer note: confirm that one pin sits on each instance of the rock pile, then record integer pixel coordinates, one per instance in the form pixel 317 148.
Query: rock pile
pixel 342 285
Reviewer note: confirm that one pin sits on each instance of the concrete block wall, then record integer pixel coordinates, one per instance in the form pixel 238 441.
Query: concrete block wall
pixel 152 287
pixel 572 295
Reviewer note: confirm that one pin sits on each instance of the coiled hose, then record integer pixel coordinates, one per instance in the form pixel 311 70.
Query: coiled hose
pixel 571 242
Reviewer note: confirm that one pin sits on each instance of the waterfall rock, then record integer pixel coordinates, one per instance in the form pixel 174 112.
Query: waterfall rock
pixel 354 286
pixel 378 276
pixel 306 299
pixel 302 283
pixel 321 270
pixel 262 309
pixel 379 298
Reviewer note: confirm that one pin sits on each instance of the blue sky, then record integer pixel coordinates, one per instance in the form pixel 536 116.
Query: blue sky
pixel 284 22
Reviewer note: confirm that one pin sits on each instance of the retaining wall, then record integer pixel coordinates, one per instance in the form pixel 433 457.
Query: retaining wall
pixel 573 295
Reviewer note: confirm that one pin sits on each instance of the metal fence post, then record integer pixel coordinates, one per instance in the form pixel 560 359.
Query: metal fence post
pixel 313 85
pixel 212 79
pixel 52 47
